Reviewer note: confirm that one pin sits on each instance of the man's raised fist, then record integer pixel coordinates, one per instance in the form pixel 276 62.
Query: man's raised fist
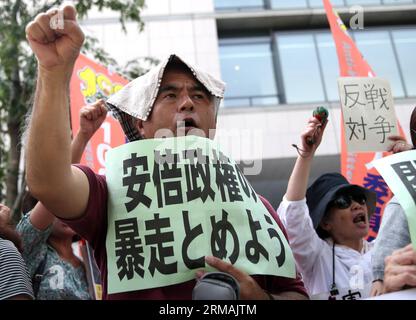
pixel 56 38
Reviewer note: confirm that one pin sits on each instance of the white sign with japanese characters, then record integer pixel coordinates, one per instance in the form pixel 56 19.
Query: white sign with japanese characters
pixel 174 201
pixel 368 113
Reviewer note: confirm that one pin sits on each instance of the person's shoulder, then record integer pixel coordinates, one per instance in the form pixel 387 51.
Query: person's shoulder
pixel 97 182
pixel 265 201
pixel 89 172
pixel 8 252
pixel 393 201
pixel 7 246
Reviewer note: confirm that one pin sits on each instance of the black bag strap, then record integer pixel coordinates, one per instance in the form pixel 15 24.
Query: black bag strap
pixel 37 277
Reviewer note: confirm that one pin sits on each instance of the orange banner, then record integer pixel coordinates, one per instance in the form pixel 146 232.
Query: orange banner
pixel 90 82
pixel 356 166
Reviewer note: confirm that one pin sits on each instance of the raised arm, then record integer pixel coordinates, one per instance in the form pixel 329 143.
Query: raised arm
pixel 63 189
pixel 298 182
pixel 293 211
pixel 91 118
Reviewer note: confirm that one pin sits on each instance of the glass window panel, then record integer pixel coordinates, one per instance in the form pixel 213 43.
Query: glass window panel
pixel 397 1
pixel 278 4
pixel 363 2
pixel 377 49
pixel 330 65
pixel 248 70
pixel 319 3
pixel 405 42
pixel 235 102
pixel 236 4
pixel 300 69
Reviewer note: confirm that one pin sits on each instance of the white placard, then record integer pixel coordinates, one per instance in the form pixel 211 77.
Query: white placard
pixel 409 294
pixel 369 114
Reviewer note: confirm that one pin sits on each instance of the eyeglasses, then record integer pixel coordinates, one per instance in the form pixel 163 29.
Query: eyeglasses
pixel 344 201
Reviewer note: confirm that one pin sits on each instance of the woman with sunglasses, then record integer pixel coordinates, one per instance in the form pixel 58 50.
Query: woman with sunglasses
pixel 326 225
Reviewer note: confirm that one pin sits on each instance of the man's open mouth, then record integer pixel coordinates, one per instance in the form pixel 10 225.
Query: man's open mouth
pixel 187 124
pixel 190 123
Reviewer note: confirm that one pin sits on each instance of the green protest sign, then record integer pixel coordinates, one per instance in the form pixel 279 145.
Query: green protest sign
pixel 399 172
pixel 172 202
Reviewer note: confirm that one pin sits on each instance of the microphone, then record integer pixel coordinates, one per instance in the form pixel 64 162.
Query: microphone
pixel 320 113
pixel 216 286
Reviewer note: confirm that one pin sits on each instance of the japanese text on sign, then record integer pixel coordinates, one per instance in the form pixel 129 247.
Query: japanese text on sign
pixel 399 172
pixel 172 202
pixel 368 110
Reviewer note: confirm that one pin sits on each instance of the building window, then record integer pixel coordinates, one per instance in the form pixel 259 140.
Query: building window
pixel 293 4
pixel 239 4
pixel 289 4
pixel 319 3
pixel 405 45
pixel 362 2
pixel 300 69
pixel 303 66
pixel 247 68
pixel 377 49
pixel 398 1
pixel 329 62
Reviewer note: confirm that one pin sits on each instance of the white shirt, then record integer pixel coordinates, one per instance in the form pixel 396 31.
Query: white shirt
pixel 314 255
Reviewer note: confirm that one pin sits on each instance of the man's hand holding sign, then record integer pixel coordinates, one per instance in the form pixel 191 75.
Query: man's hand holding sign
pixel 400 269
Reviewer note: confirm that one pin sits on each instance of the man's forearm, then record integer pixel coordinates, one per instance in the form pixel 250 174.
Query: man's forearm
pixel 48 151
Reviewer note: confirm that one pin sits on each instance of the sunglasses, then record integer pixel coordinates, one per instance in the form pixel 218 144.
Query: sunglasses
pixel 344 201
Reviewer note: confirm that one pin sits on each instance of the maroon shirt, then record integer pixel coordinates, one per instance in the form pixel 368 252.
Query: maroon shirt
pixel 93 227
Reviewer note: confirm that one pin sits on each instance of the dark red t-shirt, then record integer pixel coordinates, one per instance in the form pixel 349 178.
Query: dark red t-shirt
pixel 93 227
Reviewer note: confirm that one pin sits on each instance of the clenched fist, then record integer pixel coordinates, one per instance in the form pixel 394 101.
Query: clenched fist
pixel 91 118
pixel 56 39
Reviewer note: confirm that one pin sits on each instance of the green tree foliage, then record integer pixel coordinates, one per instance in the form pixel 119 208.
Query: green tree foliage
pixel 18 75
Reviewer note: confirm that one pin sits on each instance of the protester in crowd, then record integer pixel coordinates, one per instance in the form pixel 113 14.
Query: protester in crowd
pixel 326 224
pixel 394 229
pixel 14 278
pixel 57 273
pixel 169 93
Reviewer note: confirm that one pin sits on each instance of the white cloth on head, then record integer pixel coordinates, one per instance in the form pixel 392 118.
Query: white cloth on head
pixel 137 97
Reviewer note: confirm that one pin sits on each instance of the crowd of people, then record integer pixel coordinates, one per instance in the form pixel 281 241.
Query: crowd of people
pixel 325 224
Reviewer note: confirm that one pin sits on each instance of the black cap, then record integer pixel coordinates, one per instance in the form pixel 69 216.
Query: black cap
pixel 324 190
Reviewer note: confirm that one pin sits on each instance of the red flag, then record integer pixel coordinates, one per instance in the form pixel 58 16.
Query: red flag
pixel 356 166
pixel 90 82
